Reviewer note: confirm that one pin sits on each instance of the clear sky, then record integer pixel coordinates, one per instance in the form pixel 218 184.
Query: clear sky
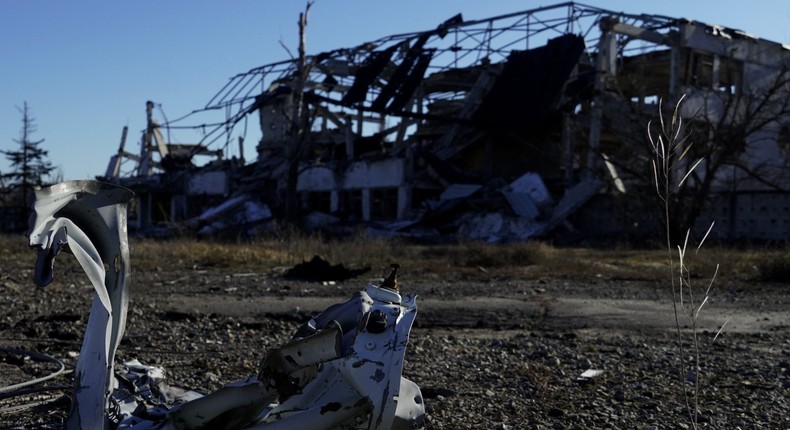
pixel 87 67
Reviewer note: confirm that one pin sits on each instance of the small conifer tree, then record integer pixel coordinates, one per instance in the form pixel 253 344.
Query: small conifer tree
pixel 29 167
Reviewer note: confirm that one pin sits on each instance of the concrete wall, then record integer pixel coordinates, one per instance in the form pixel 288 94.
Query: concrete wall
pixel 362 176
pixel 749 216
pixel 212 182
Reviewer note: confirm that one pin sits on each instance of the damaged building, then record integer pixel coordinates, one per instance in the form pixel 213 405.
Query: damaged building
pixel 517 126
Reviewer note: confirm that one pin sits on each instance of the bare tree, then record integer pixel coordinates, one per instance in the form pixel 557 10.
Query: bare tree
pixel 729 130
pixel 726 133
pixel 299 122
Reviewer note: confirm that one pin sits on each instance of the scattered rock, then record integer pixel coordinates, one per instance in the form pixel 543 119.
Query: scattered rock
pixel 494 376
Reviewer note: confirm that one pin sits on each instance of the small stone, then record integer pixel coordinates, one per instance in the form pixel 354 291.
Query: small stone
pixel 556 412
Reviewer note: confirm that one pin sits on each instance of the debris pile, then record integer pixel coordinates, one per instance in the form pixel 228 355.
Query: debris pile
pixel 320 270
pixel 521 210
pixel 239 213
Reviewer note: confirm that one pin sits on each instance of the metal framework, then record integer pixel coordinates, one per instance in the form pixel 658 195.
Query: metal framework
pixel 454 44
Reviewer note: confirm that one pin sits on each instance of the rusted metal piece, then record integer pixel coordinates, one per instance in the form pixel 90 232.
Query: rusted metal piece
pixel 391 283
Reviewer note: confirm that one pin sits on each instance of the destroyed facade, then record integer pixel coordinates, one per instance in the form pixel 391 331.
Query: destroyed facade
pixel 505 128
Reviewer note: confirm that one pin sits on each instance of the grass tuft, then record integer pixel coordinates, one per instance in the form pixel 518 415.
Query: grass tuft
pixel 479 254
pixel 773 267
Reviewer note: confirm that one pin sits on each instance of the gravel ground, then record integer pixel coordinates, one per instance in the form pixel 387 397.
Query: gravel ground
pixel 504 353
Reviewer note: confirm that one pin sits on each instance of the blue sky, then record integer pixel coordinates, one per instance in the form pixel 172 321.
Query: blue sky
pixel 87 67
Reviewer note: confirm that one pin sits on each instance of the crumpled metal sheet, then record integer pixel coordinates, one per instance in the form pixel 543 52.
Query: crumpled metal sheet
pixel 341 370
pixel 363 388
pixel 143 398
pixel 89 218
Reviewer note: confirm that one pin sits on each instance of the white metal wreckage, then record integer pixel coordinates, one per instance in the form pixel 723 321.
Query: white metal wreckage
pixel 342 369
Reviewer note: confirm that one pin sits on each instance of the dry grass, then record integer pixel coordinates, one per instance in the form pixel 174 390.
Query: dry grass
pixel 540 259
pixel 259 254
pixel 512 259
pixel 486 255
pixel 12 245
pixel 773 266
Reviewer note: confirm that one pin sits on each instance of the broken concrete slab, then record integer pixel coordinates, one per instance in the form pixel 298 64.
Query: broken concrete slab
pixel 459 191
pixel 234 213
pixel 522 204
pixel 532 184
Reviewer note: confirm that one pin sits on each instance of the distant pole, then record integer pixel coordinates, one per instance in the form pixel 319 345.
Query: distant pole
pixel 241 149
pixel 299 122
pixel 117 168
pixel 145 166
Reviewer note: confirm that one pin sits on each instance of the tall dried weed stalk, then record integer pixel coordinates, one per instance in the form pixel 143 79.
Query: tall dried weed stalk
pixel 671 150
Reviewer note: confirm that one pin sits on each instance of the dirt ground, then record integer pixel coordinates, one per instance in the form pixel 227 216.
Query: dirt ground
pixel 488 350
